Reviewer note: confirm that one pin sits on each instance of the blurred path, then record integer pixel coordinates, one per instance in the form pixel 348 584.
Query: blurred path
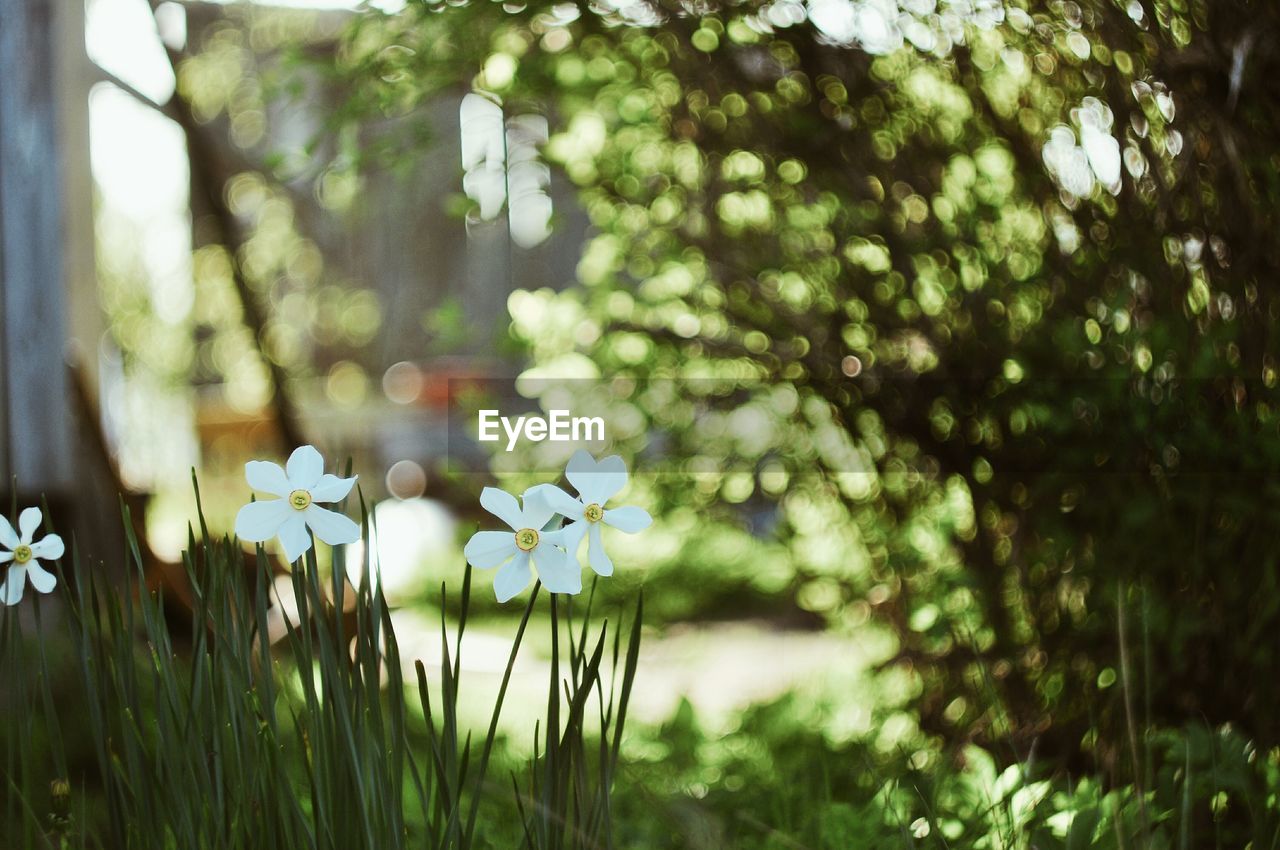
pixel 719 667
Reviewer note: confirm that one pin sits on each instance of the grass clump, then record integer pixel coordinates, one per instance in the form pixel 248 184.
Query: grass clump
pixel 204 732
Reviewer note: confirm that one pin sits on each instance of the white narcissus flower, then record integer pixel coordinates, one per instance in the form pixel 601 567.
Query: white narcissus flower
pixel 528 543
pixel 22 556
pixel 301 485
pixel 596 484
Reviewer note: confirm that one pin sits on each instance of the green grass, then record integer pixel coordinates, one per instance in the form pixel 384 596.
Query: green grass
pixel 127 727
pixel 205 735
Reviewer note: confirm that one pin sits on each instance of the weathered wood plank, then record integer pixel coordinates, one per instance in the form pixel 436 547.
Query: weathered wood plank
pixel 35 427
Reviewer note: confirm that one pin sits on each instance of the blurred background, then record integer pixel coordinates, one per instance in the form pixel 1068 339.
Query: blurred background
pixel 952 323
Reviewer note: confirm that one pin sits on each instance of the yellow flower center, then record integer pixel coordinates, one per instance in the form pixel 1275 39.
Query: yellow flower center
pixel 22 554
pixel 300 499
pixel 593 513
pixel 526 539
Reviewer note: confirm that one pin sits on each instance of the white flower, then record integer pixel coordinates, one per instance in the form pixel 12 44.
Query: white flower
pixel 23 553
pixel 528 542
pixel 596 484
pixel 300 486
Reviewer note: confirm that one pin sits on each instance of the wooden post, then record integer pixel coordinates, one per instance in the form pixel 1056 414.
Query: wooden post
pixel 51 444
pixel 35 431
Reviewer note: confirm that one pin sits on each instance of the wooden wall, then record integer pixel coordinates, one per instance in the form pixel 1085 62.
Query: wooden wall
pixel 34 391
pixel 50 321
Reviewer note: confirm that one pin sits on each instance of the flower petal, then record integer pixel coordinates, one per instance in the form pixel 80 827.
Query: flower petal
pixel 535 498
pixel 260 521
pixel 512 578
pixel 50 548
pixel 558 572
pixel 6 557
pixel 596 556
pixel 580 471
pixel 14 582
pixel 503 505
pixel 488 549
pixel 294 539
pixel 330 526
pixel 612 475
pixel 571 538
pixel 628 519
pixel 332 488
pixel 561 502
pixel 536 506
pixel 536 510
pixel 596 482
pixel 305 466
pixel 8 537
pixel 41 579
pixel 29 523
pixel 268 477
pixel 555 537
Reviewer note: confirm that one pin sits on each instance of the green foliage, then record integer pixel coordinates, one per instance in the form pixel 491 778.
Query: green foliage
pixel 996 290
pixel 568 802
pixel 208 734
pixel 772 781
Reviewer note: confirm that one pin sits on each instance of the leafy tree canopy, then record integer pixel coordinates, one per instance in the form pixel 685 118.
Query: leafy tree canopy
pixel 1003 274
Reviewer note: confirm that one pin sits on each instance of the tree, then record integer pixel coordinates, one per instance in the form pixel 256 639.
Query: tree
pixel 1001 273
